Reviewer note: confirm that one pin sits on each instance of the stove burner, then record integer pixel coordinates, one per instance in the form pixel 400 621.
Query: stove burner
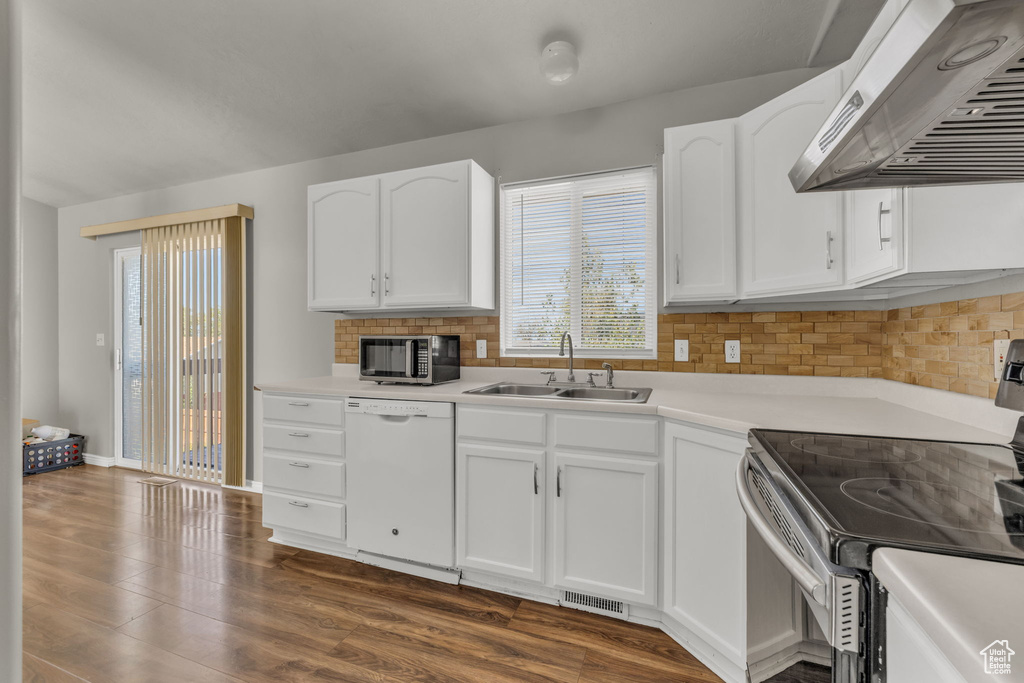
pixel 920 501
pixel 855 449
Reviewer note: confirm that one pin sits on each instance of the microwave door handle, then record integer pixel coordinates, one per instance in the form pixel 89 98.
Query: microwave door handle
pixel 804 575
pixel 409 357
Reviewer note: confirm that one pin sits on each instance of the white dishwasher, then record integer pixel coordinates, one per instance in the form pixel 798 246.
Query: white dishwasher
pixel 401 479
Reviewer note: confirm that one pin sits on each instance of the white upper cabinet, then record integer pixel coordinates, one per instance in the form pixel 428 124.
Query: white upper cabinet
pixel 421 239
pixel 343 240
pixel 700 212
pixel 791 242
pixel 874 234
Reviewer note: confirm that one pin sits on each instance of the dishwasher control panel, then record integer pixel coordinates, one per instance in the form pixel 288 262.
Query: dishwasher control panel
pixel 376 406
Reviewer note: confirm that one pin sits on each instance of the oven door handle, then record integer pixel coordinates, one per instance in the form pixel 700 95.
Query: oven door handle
pixel 806 578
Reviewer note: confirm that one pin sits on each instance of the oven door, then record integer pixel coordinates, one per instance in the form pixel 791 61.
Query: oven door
pixel 389 359
pixel 835 594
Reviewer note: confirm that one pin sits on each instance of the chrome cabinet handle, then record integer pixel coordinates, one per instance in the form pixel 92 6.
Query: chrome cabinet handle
pixel 299 434
pixel 536 484
pixel 558 483
pixel 303 465
pixel 677 269
pixel 373 285
pixel 298 504
pixel 828 250
pixel 387 284
pixel 300 404
pixel 881 212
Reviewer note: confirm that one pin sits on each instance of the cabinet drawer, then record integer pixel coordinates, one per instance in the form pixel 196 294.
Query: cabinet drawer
pixel 490 424
pixel 607 433
pixel 304 514
pixel 323 411
pixel 309 477
pixel 300 439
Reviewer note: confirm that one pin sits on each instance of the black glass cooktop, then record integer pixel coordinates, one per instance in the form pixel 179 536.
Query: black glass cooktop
pixel 958 498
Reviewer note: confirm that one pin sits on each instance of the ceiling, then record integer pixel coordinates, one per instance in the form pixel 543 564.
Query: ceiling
pixel 123 96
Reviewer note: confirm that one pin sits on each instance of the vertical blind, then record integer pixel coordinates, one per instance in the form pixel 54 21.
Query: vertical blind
pixel 578 255
pixel 192 351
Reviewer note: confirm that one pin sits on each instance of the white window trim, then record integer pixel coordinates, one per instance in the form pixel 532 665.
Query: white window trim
pixel 651 277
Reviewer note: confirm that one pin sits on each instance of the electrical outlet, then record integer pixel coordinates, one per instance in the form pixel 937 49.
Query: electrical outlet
pixel 732 351
pixel 682 350
pixel 481 348
pixel 999 356
pixel 100 339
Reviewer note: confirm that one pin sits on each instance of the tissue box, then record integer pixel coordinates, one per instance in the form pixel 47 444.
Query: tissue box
pixel 46 456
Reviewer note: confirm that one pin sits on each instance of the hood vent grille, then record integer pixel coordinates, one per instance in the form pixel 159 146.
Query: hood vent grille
pixel 982 135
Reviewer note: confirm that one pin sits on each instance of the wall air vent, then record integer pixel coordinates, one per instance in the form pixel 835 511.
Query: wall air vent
pixel 595 604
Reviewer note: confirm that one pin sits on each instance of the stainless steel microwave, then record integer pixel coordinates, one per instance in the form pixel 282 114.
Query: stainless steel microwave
pixel 413 359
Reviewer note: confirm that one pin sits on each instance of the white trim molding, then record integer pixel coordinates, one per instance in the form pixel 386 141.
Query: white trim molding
pixel 99 460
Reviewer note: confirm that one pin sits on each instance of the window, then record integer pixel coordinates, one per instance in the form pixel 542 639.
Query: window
pixel 578 256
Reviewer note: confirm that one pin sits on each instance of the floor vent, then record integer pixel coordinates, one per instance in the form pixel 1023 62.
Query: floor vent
pixel 592 603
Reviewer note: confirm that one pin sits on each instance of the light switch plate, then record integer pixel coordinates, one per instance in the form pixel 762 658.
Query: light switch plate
pixel 682 350
pixel 732 351
pixel 481 348
pixel 100 339
pixel 999 357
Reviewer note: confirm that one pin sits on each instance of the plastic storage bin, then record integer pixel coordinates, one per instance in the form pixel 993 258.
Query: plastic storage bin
pixel 47 456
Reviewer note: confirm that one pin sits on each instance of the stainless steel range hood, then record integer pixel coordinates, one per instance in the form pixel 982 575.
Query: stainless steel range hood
pixel 940 102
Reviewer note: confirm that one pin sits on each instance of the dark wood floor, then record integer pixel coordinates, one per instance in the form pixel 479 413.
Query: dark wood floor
pixel 133 584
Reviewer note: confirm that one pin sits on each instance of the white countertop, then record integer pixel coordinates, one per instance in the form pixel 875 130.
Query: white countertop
pixel 727 402
pixel 962 604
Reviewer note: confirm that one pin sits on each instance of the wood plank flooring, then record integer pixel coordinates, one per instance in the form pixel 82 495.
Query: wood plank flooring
pixel 132 583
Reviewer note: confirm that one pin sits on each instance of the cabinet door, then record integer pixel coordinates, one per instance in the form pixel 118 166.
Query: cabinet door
pixel 874 234
pixel 342 245
pixel 791 242
pixel 425 226
pixel 700 212
pixel 606 526
pixel 499 510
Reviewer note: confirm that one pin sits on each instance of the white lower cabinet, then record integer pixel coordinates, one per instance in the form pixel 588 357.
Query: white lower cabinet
pixel 578 510
pixel 499 501
pixel 606 526
pixel 304 498
pixel 724 590
pixel 912 657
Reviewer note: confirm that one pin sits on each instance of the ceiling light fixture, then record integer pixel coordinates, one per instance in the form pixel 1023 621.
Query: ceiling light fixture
pixel 558 62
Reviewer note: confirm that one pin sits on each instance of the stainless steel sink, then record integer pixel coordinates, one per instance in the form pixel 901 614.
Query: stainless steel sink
pixel 510 389
pixel 605 394
pixel 580 393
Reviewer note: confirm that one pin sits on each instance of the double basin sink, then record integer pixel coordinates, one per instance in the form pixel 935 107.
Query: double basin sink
pixel 580 393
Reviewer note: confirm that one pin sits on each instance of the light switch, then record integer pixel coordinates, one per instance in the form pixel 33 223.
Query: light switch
pixel 100 339
pixel 481 348
pixel 682 350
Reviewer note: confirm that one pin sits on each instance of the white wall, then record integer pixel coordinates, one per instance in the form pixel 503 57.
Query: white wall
pixel 10 307
pixel 40 332
pixel 288 341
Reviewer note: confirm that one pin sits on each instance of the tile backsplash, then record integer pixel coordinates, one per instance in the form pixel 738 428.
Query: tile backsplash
pixel 944 346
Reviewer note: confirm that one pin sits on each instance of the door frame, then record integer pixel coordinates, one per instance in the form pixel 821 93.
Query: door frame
pixel 120 255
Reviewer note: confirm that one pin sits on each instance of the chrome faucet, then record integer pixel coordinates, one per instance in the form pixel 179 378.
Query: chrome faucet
pixel 609 374
pixel 561 352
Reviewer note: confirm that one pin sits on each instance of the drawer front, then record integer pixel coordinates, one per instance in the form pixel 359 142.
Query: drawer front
pixel 304 514
pixel 321 411
pixel 494 424
pixel 309 477
pixel 300 439
pixel 607 433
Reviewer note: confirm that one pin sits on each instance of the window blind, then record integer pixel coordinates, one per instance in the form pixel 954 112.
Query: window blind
pixel 578 255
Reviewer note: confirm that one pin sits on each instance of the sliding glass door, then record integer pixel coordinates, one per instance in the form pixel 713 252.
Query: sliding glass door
pixel 128 358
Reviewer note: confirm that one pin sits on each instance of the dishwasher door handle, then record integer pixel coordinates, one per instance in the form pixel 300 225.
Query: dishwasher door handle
pixel 805 577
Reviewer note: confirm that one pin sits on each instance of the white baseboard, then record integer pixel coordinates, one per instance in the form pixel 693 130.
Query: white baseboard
pixel 99 460
pixel 250 485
